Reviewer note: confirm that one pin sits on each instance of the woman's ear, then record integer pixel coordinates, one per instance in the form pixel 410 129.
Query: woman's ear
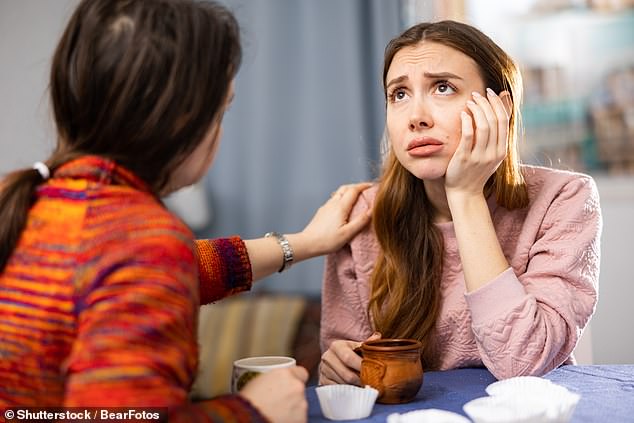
pixel 507 101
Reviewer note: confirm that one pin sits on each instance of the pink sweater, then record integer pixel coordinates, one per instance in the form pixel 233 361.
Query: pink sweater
pixel 528 319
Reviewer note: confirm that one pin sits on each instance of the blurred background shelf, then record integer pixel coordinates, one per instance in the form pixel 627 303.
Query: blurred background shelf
pixel 577 61
pixel 578 67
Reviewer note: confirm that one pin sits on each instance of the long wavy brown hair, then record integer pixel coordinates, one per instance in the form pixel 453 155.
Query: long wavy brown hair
pixel 405 300
pixel 136 81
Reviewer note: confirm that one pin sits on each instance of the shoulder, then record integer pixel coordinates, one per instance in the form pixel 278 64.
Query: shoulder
pixel 135 219
pixel 365 201
pixel 130 234
pixel 364 245
pixel 548 185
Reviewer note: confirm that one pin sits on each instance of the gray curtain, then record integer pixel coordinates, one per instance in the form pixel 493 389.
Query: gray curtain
pixel 308 116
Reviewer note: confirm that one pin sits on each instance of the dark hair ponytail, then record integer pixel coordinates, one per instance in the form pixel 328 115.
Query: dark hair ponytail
pixel 17 193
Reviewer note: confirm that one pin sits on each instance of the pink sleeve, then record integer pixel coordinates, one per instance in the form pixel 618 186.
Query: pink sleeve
pixel 527 321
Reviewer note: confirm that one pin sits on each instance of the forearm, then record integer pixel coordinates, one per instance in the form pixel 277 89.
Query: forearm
pixel 522 331
pixel 267 257
pixel 480 251
pixel 258 257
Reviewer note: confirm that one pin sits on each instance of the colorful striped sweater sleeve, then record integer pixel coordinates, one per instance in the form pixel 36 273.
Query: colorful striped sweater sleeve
pixel 224 268
pixel 98 302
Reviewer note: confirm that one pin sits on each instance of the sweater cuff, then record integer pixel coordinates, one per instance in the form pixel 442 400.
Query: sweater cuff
pixel 495 297
pixel 224 268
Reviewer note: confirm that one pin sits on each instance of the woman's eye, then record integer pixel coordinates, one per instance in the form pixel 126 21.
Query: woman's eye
pixel 444 88
pixel 399 95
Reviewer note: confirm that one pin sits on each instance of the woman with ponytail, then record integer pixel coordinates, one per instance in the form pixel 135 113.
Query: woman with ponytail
pixel 485 260
pixel 100 284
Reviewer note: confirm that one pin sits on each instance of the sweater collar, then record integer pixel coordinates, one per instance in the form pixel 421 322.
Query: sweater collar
pixel 102 170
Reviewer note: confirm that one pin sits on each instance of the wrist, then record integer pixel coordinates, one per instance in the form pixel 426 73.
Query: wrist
pixel 303 246
pixel 288 254
pixel 466 205
pixel 462 198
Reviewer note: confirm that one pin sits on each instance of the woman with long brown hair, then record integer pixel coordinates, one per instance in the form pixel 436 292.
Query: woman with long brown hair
pixel 100 284
pixel 485 260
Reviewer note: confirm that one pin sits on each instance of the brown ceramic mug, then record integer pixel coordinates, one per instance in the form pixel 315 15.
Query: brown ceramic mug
pixel 393 367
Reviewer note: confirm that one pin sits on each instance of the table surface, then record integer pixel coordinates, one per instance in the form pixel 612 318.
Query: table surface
pixel 607 393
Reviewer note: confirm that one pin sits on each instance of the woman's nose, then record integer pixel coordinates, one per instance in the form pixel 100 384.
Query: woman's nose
pixel 420 116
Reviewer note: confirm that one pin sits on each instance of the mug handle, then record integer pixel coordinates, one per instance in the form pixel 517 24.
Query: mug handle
pixel 373 370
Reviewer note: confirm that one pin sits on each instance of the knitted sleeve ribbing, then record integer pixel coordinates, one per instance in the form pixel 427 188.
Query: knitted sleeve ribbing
pixel 224 268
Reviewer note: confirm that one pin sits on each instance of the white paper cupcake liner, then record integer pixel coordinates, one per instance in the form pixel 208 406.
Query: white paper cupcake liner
pixel 431 415
pixel 559 402
pixel 519 383
pixel 346 402
pixel 505 409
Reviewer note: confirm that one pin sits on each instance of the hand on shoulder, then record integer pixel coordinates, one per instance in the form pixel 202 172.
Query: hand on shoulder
pixel 331 227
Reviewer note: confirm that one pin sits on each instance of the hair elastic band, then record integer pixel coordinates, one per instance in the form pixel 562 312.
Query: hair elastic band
pixel 42 169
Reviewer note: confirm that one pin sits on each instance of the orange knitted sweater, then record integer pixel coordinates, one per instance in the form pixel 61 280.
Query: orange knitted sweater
pixel 99 301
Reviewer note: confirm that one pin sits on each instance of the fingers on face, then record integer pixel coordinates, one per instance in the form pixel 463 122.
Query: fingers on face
pixel 503 118
pixel 491 120
pixel 485 128
pixel 467 133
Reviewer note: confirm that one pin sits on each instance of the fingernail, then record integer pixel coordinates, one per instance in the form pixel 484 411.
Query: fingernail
pixel 476 94
pixel 491 92
pixel 471 103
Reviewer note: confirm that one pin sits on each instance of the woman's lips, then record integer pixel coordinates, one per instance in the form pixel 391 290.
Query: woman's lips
pixel 424 147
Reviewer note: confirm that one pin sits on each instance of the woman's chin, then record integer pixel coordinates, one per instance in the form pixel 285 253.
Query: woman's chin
pixel 430 174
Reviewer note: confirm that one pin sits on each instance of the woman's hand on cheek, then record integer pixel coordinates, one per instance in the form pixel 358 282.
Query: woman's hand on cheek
pixel 482 146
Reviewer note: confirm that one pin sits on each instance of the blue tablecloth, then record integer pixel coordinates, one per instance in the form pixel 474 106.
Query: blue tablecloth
pixel 607 393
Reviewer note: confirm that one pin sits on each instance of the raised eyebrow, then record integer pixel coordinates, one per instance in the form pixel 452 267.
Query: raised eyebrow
pixel 441 75
pixel 396 80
